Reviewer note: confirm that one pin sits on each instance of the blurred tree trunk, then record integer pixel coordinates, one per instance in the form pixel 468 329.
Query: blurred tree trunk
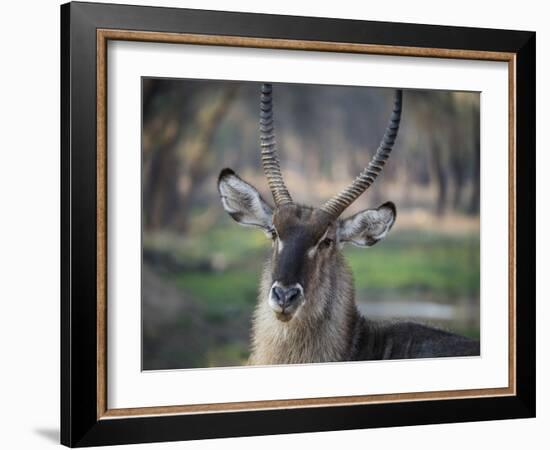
pixel 174 159
pixel 162 190
pixel 440 177
pixel 474 199
pixel 195 153
pixel 159 171
pixel 458 170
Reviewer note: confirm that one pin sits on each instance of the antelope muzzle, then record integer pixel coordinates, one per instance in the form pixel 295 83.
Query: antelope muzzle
pixel 285 300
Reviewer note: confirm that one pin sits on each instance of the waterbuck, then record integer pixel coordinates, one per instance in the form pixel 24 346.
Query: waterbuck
pixel 306 311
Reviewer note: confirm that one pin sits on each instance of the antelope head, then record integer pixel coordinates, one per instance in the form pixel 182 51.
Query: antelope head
pixel 306 240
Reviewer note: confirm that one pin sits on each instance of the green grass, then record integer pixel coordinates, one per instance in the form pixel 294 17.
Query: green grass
pixel 444 265
pixel 227 355
pixel 233 289
pixel 234 242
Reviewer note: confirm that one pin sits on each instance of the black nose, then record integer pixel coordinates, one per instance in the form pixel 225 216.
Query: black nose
pixel 285 296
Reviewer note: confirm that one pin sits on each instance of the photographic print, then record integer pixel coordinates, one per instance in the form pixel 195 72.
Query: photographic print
pixel 299 223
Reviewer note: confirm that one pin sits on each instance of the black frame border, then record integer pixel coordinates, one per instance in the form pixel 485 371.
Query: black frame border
pixel 79 423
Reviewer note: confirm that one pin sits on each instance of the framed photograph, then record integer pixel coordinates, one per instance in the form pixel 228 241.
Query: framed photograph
pixel 276 224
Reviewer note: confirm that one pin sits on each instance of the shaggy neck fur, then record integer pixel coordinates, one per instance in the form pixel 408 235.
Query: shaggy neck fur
pixel 322 330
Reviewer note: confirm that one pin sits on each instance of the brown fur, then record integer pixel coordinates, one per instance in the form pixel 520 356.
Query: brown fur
pixel 323 327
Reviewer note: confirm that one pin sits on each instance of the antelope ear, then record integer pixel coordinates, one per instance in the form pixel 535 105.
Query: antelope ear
pixel 243 202
pixel 367 227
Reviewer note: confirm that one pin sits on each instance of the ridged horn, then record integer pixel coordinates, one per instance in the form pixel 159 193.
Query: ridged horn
pixel 270 160
pixel 336 205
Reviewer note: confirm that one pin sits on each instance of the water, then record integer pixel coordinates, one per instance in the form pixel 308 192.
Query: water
pixel 461 313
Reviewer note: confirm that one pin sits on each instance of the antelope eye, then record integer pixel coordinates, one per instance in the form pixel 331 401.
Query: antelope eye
pixel 325 243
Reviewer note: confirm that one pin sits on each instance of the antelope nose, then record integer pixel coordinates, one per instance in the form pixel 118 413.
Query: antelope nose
pixel 285 296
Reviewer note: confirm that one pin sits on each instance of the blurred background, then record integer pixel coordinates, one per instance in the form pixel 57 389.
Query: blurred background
pixel 201 269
